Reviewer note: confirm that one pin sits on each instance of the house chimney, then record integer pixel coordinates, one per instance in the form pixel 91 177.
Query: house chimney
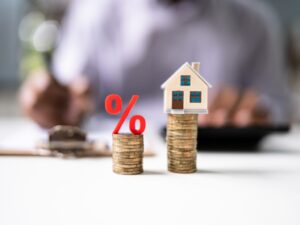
pixel 196 66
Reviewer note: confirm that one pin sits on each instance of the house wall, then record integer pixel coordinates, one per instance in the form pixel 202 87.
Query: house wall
pixel 196 85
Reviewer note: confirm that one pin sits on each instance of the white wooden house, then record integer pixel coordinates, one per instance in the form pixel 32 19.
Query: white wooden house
pixel 186 91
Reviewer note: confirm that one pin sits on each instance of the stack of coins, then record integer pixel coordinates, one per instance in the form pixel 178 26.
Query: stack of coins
pixel 182 143
pixel 127 154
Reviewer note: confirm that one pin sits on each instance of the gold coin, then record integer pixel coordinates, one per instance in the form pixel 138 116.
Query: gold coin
pixel 120 160
pixel 134 166
pixel 128 170
pixel 129 156
pixel 182 155
pixel 182 171
pixel 182 132
pixel 128 173
pixel 127 153
pixel 191 169
pixel 181 152
pixel 182 160
pixel 189 165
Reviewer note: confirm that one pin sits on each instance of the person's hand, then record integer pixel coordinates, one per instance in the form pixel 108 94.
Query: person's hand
pixel 48 103
pixel 230 107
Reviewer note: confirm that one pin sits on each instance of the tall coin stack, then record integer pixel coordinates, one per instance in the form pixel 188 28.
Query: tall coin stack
pixel 127 154
pixel 182 143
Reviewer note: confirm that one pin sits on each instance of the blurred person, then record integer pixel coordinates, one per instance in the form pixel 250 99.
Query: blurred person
pixel 293 55
pixel 132 47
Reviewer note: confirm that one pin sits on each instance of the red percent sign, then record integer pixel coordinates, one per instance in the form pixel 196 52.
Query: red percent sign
pixel 113 105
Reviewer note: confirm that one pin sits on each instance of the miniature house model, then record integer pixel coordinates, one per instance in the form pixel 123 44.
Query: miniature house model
pixel 186 91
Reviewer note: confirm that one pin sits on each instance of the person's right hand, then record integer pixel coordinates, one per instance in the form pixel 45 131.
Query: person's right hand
pixel 235 108
pixel 49 103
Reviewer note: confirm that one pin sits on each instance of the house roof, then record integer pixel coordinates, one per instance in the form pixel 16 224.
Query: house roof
pixel 194 71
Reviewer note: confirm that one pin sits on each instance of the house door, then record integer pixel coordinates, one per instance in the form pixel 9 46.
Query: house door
pixel 177 100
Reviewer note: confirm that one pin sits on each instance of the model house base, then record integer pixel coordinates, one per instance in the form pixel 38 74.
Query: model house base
pixel 187 111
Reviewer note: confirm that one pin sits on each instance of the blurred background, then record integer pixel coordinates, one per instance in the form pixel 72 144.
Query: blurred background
pixel 240 188
pixel 20 19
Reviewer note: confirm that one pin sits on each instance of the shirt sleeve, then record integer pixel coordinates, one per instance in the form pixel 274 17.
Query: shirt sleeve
pixel 74 54
pixel 265 68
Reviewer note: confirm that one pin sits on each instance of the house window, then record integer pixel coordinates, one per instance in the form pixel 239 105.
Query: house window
pixel 185 80
pixel 195 96
pixel 178 95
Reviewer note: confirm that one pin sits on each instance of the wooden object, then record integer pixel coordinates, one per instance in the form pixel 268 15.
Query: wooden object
pixel 65 141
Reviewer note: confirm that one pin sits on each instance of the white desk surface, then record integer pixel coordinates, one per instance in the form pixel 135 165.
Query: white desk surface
pixel 246 188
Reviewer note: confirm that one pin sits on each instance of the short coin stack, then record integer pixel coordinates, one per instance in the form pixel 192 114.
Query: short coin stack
pixel 127 154
pixel 182 143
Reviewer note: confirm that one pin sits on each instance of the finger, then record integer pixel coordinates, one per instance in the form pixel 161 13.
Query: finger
pixel 61 101
pixel 73 115
pixel 54 90
pixel 47 116
pixel 219 117
pixel 203 120
pixel 46 113
pixel 27 97
pixel 80 86
pixel 244 110
pixel 48 99
pixel 39 82
pixel 221 107
pixel 43 89
pixel 80 90
pixel 261 116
